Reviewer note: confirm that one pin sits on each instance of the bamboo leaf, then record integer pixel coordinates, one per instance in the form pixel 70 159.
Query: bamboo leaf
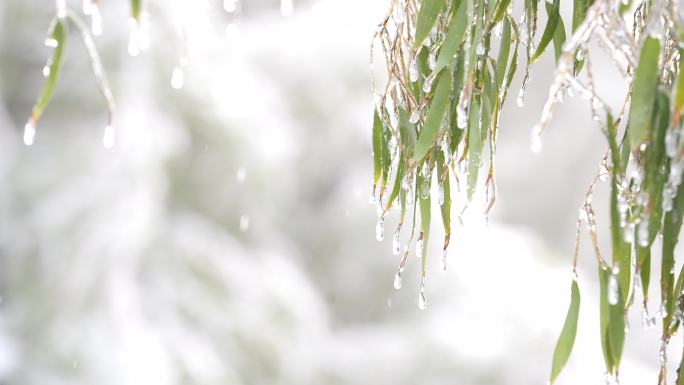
pixel 57 37
pixel 566 340
pixel 474 146
pixel 427 17
pixel 504 52
pixel 136 7
pixel 453 38
pixel 435 114
pixel 549 30
pixel 377 148
pixel 558 37
pixel 644 93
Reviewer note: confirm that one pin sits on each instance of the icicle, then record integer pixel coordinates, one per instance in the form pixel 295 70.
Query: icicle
pixel 397 280
pixel 413 71
pixel 647 321
pixel 521 96
pixel 422 303
pixel 427 85
pixel 61 8
pixel 611 379
pixel 109 136
pixel 419 248
pixel 380 230
pixel 29 132
pixel 444 260
pixel 134 38
pixel 432 58
pixel 440 194
pixel 396 242
pixel 613 295
pixel 536 143
pixel 371 197
pixel 95 20
pixel 415 116
pixel 88 7
pixel 244 223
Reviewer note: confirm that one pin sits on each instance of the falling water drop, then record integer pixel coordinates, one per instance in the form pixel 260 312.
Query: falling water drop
pixel 109 136
pixel 177 77
pixel 397 280
pixel 613 295
pixel 244 223
pixel 29 132
pixel 380 230
pixel 396 243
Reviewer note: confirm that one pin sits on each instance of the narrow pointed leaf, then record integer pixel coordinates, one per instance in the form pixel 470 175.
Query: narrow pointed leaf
pixel 566 340
pixel 549 30
pixel 58 35
pixel 435 114
pixel 453 38
pixel 644 92
pixel 426 20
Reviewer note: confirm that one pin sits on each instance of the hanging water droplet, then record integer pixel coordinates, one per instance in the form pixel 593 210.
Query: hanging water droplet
pixel 647 321
pixel 444 260
pixel 244 223
pixel 425 187
pixel 396 243
pixel 480 49
pixel 29 132
pixel 413 71
pixel 498 30
pixel 109 136
pixel 422 302
pixel 397 280
pixel 96 20
pixel 611 378
pixel 613 295
pixel 642 232
pixel 536 144
pixel 380 230
pixel 46 70
pixel 230 6
pixel 134 38
pixel 177 77
pixel 286 8
pixel 241 175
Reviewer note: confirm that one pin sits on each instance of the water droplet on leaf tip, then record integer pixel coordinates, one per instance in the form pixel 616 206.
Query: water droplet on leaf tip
pixel 536 145
pixel 613 294
pixel 380 230
pixel 51 42
pixel 177 78
pixel 29 133
pixel 422 302
pixel 396 243
pixel 397 281
pixel 109 136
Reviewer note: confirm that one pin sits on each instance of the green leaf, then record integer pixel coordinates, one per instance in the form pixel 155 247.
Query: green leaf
pixel 549 30
pixel 429 10
pixel 679 95
pixel 612 323
pixel 644 93
pixel 397 182
pixel 566 340
pixel 57 33
pixel 453 38
pixel 425 215
pixel 377 148
pixel 558 37
pixel 579 12
pixel 136 7
pixel 443 178
pixel 672 225
pixel 435 114
pixel 504 52
pixel 474 146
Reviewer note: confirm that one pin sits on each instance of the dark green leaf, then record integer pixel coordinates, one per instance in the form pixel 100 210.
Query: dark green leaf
pixel 566 340
pixel 435 114
pixel 644 92
pixel 453 38
pixel 429 10
pixel 549 30
pixel 57 34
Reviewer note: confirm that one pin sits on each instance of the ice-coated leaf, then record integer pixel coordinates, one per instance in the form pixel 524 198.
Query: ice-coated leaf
pixel 57 34
pixel 612 323
pixel 136 7
pixel 504 52
pixel 377 147
pixel 453 38
pixel 644 92
pixel 435 114
pixel 474 147
pixel 558 36
pixel 429 10
pixel 566 340
pixel 550 29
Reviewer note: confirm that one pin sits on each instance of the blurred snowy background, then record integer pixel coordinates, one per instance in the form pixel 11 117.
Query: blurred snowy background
pixel 227 238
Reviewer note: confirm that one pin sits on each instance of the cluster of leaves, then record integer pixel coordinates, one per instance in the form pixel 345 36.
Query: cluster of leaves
pixel 449 65
pixel 58 33
pixel 420 130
